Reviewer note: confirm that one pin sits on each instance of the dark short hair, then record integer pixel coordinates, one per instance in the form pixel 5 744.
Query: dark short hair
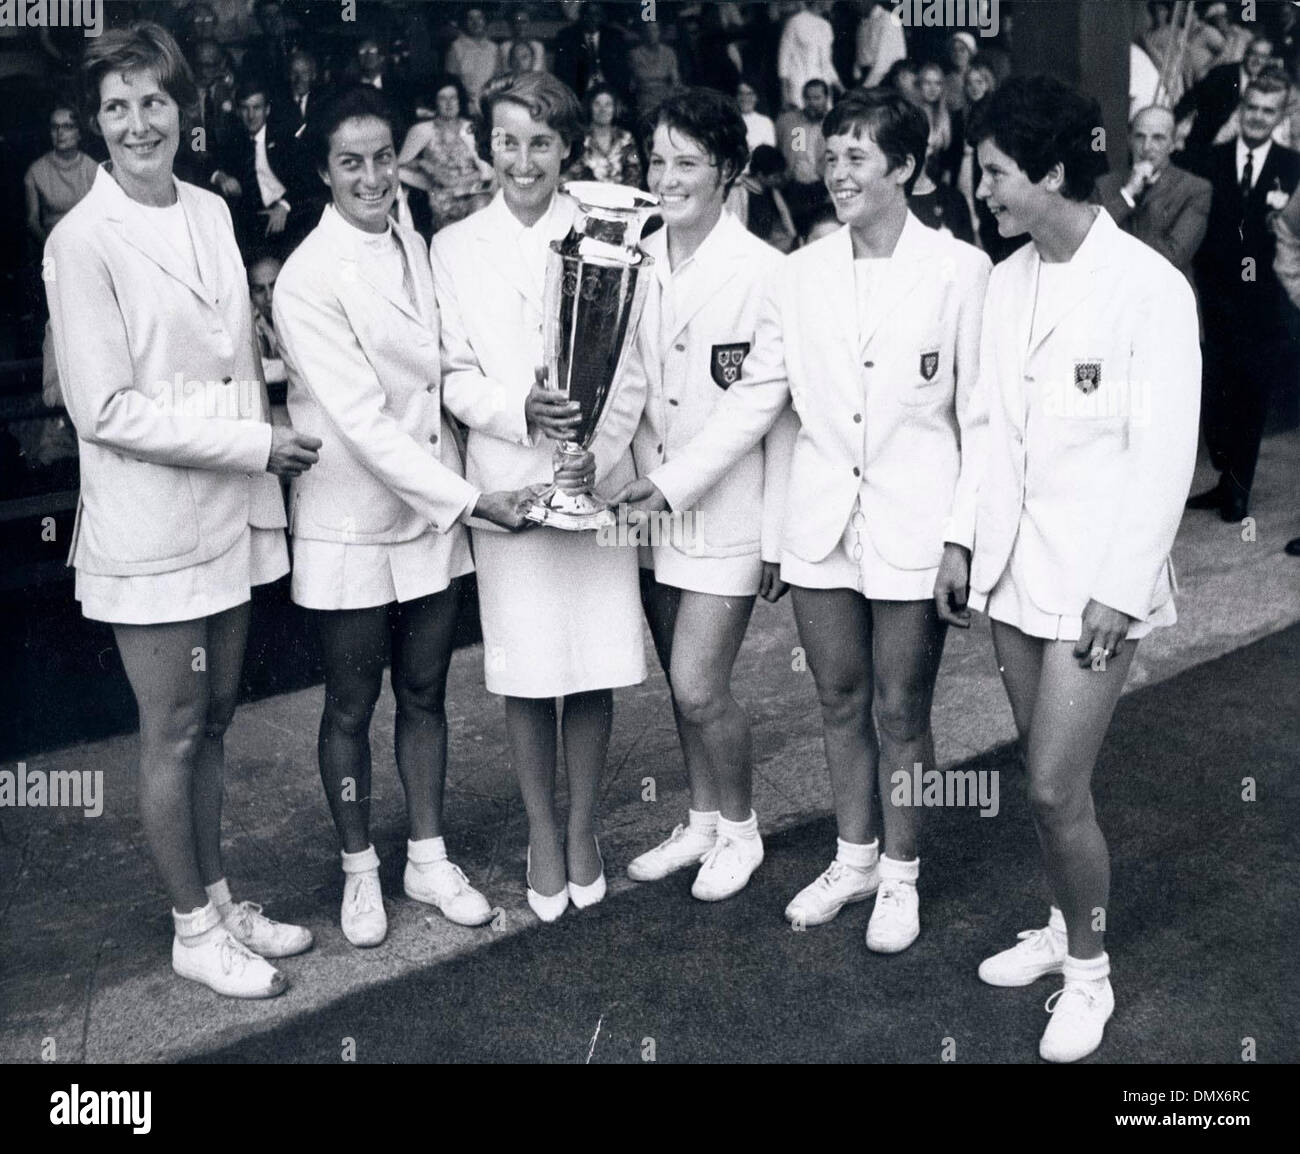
pixel 709 118
pixel 142 45
pixel 817 82
pixel 361 100
pixel 896 70
pixel 767 161
pixel 601 90
pixel 251 84
pixel 1269 82
pixel 899 128
pixel 546 98
pixel 448 80
pixel 1040 122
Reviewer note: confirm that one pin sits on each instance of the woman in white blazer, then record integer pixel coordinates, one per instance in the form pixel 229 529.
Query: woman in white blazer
pixel 697 338
pixel 560 612
pixel 879 325
pixel 1086 440
pixel 178 516
pixel 378 526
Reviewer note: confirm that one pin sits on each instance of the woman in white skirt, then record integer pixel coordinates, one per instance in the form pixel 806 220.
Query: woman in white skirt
pixel 378 527
pixel 179 517
pixel 706 562
pixel 560 612
pixel 1090 388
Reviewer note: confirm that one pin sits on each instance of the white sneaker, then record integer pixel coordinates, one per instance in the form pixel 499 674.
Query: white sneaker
pixel 896 920
pixel 726 869
pixel 222 963
pixel 444 884
pixel 363 917
pixel 685 846
pixel 260 934
pixel 839 884
pixel 1080 1011
pixel 1040 952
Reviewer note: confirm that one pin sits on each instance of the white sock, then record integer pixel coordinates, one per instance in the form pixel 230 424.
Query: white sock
pixel 1095 970
pixel 367 861
pixel 860 857
pixel 1056 921
pixel 194 927
pixel 703 821
pixel 900 871
pixel 426 851
pixel 747 829
pixel 219 895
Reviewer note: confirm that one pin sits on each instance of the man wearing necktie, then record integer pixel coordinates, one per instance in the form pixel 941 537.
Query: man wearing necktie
pixel 1243 307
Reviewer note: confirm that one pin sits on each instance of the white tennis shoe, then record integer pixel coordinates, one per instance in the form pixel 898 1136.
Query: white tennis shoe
pixel 837 886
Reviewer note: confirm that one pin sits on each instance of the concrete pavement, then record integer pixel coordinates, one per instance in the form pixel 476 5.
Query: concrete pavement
pixel 84 923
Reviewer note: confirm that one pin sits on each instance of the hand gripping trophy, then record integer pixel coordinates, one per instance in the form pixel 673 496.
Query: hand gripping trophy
pixel 596 282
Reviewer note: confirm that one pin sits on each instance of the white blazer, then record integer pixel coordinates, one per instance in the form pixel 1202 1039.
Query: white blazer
pixel 365 377
pixel 163 383
pixel 1091 433
pixel 491 343
pixel 885 399
pixel 712 347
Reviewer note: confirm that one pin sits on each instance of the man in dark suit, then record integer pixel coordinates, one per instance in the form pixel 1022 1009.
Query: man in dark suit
pixel 1215 98
pixel 197 157
pixel 590 51
pixel 262 173
pixel 1163 206
pixel 1242 302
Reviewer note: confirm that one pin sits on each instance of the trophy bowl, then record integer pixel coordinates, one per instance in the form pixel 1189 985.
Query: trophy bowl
pixel 597 278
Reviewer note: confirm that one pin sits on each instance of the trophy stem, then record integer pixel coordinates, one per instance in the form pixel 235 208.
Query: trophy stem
pixel 573 509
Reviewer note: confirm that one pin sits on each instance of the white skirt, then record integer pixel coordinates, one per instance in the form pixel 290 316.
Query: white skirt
pixel 560 613
pixel 257 557
pixel 332 575
pixel 738 576
pixel 1009 602
pixel 856 563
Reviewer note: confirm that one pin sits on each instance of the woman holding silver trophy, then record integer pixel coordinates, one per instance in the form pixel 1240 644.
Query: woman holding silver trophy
pixel 560 611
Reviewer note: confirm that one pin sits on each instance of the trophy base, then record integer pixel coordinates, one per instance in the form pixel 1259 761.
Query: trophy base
pixel 576 512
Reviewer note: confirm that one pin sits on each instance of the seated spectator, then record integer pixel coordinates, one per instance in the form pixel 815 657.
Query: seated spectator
pixel 941 207
pixel 961 54
pixel 592 51
pixel 980 84
pixel 946 127
pixel 215 77
pixel 609 153
pixel 61 177
pixel 757 201
pixel 306 95
pixel 902 78
pixel 824 222
pixel 759 129
pixel 653 69
pixel 799 135
pixel 472 57
pixel 804 53
pixel 269 56
pixel 371 67
pixel 521 58
pixel 521 33
pixel 274 200
pixel 439 156
pixel 1235 38
pixel 262 273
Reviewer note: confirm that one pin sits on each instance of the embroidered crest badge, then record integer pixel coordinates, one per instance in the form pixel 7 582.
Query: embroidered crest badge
pixel 725 362
pixel 929 364
pixel 1087 376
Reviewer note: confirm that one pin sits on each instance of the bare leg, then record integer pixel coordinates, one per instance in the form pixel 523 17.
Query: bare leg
pixel 422 642
pixel 1071 716
pixel 173 705
pixel 586 724
pixel 227 634
pixel 530 723
pixel 907 649
pixel 354 643
pixel 835 628
pixel 706 639
pixel 661 603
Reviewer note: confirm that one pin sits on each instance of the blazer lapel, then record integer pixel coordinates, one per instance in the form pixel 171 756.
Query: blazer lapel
pixel 909 267
pixel 1092 256
pixel 717 267
pixel 843 294
pixel 498 232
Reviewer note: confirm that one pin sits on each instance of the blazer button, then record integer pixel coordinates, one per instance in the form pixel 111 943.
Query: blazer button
pixel 659 449
pixel 1029 378
pixel 857 418
pixel 856 471
pixel 671 401
pixel 226 380
pixel 680 348
pixel 433 438
pixel 868 364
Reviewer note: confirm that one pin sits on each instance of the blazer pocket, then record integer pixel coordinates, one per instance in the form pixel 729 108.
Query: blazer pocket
pixel 150 513
pixel 924 381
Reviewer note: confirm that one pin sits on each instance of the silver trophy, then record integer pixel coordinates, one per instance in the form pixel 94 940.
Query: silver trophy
pixel 596 282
